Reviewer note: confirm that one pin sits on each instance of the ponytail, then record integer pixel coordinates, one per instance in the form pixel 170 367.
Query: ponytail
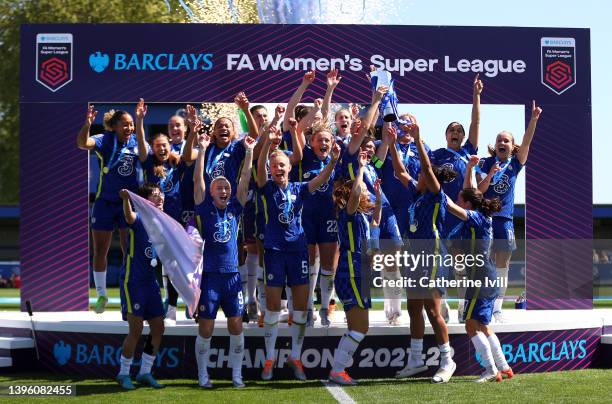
pixel 475 197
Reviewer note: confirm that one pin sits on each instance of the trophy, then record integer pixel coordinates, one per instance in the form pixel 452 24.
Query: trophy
pixel 388 105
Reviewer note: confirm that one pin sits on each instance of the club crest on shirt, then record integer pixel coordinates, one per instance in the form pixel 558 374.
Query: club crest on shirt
pixel 219 170
pixel 148 252
pixel 223 234
pixel 503 185
pixel 126 168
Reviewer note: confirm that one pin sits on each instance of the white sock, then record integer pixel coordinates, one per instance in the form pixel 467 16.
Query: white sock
pixel 481 343
pixel 346 350
pixel 244 276
pixel 252 263
pixel 202 349
pixel 415 359
pixel 498 353
pixel 327 287
pixel 146 363
pixel 298 329
pixel 270 332
pixel 312 284
pixel 165 282
pixel 392 294
pixel 236 354
pixel 100 282
pixel 261 289
pixel 502 273
pixel 126 363
pixel 289 299
pixel 445 355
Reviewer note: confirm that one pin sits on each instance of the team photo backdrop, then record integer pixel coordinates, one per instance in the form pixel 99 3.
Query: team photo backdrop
pixel 65 67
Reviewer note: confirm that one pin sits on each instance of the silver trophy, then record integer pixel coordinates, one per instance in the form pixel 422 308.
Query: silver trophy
pixel 388 105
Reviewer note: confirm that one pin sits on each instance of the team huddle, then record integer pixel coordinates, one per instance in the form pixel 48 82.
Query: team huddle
pixel 300 201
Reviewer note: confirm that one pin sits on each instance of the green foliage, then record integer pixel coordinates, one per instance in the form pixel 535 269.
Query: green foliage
pixel 12 15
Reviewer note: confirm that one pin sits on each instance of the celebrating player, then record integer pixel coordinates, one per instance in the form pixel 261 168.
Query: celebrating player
pixel 475 213
pixel 117 152
pixel 217 218
pixel 355 230
pixel 140 296
pixel 502 168
pixel 286 255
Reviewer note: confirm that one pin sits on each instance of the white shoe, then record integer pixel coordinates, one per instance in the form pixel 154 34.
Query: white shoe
pixel 489 376
pixel 499 317
pixel 204 381
pixel 410 371
pixel 443 375
pixel 394 318
pixel 238 383
pixel 170 316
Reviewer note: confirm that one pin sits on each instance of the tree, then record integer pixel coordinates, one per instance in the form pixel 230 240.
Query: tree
pixel 13 13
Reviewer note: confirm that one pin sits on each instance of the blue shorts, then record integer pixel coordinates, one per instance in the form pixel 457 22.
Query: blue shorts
pixel 389 229
pixel 105 214
pixel 480 309
pixel 352 292
pixel 286 267
pixel 503 234
pixel 320 227
pixel 141 299
pixel 220 289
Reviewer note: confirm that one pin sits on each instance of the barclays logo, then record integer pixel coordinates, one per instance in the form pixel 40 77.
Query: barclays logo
pixel 62 352
pixel 98 61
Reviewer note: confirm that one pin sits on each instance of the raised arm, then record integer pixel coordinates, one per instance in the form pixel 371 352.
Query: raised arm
pixel 475 124
pixel 398 164
pixel 324 175
pixel 309 119
pixel 358 186
pixel 199 185
pixel 468 181
pixel 279 112
pixel 430 179
pixel 128 212
pixel 262 174
pixel 189 152
pixel 533 122
pixel 356 140
pixel 484 183
pixel 141 111
pixel 243 103
pixel 245 174
pixel 333 79
pixel 383 147
pixel 377 213
pixel 84 142
pixel 297 96
pixel 455 209
pixel 298 141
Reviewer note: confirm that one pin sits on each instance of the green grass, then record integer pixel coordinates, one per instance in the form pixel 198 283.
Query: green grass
pixel 591 385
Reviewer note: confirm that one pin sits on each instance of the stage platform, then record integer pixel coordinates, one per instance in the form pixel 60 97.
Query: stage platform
pixel 85 343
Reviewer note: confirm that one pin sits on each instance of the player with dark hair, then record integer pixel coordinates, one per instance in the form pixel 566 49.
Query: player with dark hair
pixel 117 152
pixel 140 296
pixel 475 211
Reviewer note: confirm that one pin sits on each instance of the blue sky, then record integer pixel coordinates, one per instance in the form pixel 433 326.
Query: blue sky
pixel 593 14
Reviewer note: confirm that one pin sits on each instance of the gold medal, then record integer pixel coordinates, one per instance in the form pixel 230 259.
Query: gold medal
pixel 105 170
pixel 413 228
